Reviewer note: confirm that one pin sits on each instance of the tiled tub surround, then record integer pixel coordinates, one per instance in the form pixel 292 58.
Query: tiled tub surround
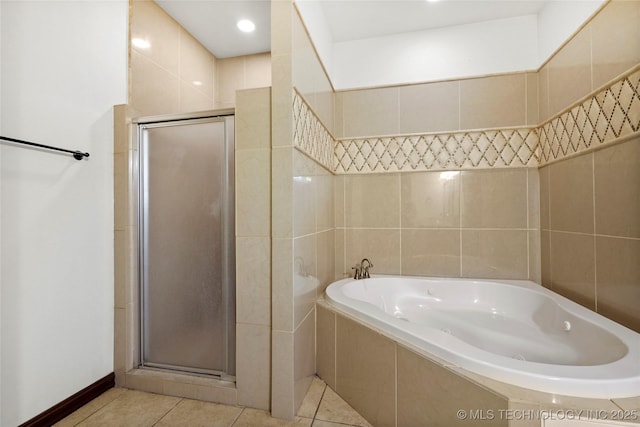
pixel 607 115
pixel 475 232
pixel 464 221
pixel 440 223
pixel 352 364
pixel 392 383
pixel 461 150
pixel 590 238
pixel 513 331
pixel 498 112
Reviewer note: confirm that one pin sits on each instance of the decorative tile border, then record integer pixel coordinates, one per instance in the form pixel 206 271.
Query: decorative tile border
pixel 459 150
pixel 612 113
pixel 310 135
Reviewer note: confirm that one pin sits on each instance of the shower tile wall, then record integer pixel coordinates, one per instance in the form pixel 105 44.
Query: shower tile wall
pixel 589 205
pixel 242 72
pixel 161 83
pixel 282 337
pixel 163 75
pixel 124 245
pixel 253 247
pixel 302 213
pixel 313 213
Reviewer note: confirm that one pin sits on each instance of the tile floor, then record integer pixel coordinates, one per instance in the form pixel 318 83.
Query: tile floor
pixel 322 407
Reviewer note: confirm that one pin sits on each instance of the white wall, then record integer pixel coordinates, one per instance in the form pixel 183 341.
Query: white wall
pixel 63 67
pixel 507 45
pixel 499 46
pixel 316 23
pixel 559 20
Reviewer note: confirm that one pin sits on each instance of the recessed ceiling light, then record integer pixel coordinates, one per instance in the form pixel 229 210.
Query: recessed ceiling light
pixel 432 1
pixel 197 83
pixel 140 43
pixel 246 25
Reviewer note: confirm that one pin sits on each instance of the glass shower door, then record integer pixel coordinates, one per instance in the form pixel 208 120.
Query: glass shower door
pixel 187 248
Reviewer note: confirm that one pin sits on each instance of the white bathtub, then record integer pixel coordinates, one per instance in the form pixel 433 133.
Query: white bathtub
pixel 512 331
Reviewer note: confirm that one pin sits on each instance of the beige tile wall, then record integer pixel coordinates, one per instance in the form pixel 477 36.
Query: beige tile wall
pixel 242 72
pixel 125 232
pixel 163 77
pixel 425 231
pixel 605 48
pixel 253 247
pixel 508 100
pixel 414 390
pixel 162 82
pixel 390 385
pixel 589 205
pixel 283 383
pixel 302 215
pixel 465 230
pixel 590 210
pixel 454 223
pixel 309 76
pixel 177 74
pixel 421 380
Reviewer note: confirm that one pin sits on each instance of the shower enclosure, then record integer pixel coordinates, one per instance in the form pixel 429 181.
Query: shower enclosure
pixel 186 244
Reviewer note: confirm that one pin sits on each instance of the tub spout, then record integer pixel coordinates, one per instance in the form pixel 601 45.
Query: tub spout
pixel 364 269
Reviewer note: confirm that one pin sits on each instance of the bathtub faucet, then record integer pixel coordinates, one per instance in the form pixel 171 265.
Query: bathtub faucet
pixel 362 270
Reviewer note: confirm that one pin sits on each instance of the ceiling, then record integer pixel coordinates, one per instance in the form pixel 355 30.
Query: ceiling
pixel 213 22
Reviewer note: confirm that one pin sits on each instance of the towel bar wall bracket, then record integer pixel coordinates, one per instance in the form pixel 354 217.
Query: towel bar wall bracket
pixel 78 155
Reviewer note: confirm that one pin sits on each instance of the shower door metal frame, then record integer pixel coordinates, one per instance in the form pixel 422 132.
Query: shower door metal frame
pixel 228 265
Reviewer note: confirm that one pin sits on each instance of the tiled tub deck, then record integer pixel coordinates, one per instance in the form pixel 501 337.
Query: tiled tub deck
pixel 391 383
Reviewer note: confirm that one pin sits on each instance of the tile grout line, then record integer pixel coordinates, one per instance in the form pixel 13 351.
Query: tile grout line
pixel 167 413
pixel 237 418
pixel 319 403
pixel 460 213
pixel 528 213
pixel 400 220
pixel 93 413
pixel 595 246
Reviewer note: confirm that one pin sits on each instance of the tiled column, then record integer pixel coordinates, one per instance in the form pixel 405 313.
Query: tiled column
pixel 253 247
pixel 282 386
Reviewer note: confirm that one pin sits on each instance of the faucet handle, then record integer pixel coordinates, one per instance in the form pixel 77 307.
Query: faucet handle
pixel 364 269
pixel 357 274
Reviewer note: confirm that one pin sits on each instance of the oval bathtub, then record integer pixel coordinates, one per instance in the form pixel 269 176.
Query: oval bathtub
pixel 513 331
